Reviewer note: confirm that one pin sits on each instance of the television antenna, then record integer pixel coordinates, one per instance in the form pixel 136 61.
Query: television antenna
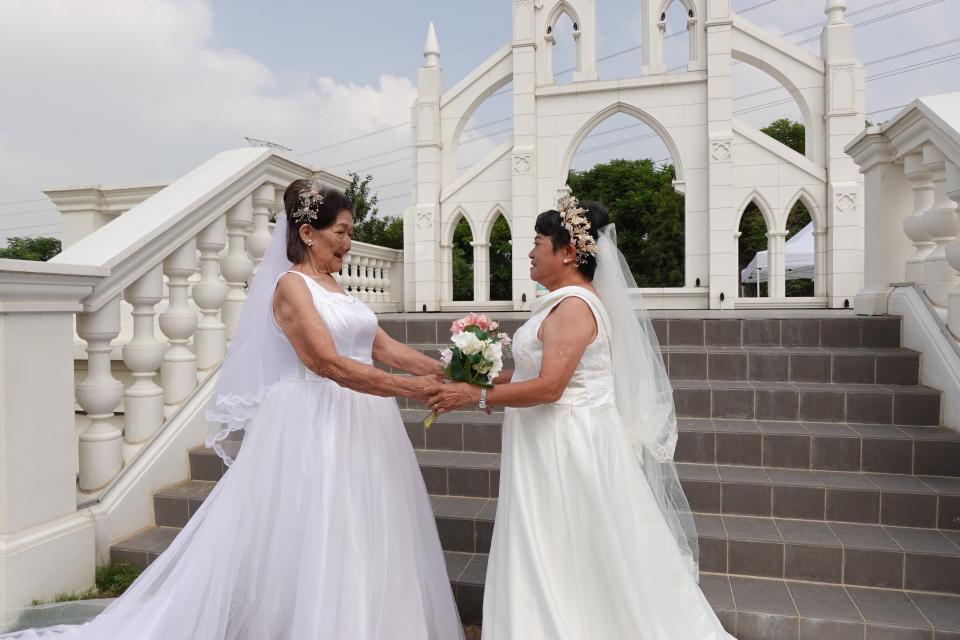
pixel 263 143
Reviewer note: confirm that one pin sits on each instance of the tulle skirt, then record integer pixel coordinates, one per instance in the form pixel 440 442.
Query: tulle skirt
pixel 580 548
pixel 321 529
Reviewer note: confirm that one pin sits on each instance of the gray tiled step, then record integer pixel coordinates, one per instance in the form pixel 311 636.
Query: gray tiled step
pixel 794 364
pixel 851 403
pixel 175 505
pixel 841 332
pixel 775 609
pixel 814 551
pixel 831 552
pixel 143 547
pixel 828 446
pixel 863 498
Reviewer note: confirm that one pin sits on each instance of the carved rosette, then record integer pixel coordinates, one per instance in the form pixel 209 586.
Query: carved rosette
pixel 721 150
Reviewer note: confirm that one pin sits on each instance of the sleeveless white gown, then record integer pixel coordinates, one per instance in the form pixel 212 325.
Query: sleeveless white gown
pixel 321 530
pixel 580 548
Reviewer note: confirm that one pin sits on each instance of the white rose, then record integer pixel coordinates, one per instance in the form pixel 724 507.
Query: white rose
pixel 469 343
pixel 493 352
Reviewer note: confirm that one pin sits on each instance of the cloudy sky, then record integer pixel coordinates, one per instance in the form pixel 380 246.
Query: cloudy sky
pixel 125 91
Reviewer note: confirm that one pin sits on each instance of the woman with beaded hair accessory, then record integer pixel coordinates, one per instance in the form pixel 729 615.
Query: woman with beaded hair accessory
pixel 322 528
pixel 593 535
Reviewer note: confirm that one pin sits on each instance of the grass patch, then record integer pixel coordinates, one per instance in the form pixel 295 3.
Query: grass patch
pixel 85 594
pixel 114 577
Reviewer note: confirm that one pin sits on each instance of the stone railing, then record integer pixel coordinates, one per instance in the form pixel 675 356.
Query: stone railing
pixel 195 245
pixel 911 168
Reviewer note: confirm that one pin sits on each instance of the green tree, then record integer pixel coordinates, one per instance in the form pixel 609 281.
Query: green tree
pixel 501 261
pixel 39 249
pixel 648 213
pixel 462 261
pixel 383 231
pixel 788 133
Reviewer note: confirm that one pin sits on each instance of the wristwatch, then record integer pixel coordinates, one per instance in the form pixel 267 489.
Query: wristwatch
pixel 483 399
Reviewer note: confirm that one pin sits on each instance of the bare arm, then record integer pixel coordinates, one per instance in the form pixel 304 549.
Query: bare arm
pixel 565 334
pixel 295 313
pixel 394 354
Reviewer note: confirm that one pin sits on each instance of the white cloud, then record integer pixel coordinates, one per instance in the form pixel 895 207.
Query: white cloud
pixel 86 80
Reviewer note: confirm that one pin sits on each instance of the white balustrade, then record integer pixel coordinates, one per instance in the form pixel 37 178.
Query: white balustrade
pixel 210 339
pixel 143 355
pixel 923 243
pixel 236 267
pixel 178 373
pixel 263 201
pixel 940 221
pixel 363 293
pixel 101 444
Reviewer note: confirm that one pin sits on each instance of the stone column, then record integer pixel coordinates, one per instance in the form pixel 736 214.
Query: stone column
pixel 101 444
pixel 776 264
pixel 263 200
pixel 427 264
pixel 953 251
pixel 481 271
pixel 940 221
pixel 524 158
pixel 48 546
pixel 922 187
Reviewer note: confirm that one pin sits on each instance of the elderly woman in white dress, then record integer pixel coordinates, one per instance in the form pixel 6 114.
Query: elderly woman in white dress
pixel 593 536
pixel 322 528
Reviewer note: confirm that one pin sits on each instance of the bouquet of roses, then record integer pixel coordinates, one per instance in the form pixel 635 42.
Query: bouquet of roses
pixel 477 353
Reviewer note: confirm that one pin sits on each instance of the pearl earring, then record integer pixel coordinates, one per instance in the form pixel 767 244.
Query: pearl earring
pixel 310 244
pixel 565 261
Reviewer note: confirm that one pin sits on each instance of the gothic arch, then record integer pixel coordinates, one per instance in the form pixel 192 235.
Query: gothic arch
pixel 486 227
pixel 559 9
pixel 600 116
pixel 816 210
pixel 451 227
pixel 769 217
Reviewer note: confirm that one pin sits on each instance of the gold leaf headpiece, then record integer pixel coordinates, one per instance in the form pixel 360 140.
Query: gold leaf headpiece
pixel 578 227
pixel 310 201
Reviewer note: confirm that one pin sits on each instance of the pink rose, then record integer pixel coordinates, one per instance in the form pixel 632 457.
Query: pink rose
pixel 486 324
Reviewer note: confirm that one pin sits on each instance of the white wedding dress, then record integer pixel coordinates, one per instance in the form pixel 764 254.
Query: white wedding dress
pixel 580 549
pixel 321 530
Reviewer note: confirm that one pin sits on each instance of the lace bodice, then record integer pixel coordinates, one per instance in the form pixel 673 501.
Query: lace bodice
pixel 592 382
pixel 351 324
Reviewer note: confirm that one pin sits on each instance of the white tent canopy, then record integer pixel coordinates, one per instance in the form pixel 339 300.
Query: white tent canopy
pixel 799 260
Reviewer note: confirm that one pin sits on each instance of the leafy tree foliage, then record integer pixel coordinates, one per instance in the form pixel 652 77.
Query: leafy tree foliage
pixel 462 261
pixel 648 213
pixel 384 231
pixel 753 229
pixel 39 249
pixel 501 261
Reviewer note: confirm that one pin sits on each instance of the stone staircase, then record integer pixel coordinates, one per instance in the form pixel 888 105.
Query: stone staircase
pixel 826 497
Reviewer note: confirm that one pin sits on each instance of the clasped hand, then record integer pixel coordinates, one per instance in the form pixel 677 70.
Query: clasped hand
pixel 451 396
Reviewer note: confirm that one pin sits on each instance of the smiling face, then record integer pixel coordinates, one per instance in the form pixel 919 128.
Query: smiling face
pixel 547 267
pixel 330 244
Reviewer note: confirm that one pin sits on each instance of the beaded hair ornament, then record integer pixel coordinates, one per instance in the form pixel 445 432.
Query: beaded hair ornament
pixel 578 227
pixel 310 201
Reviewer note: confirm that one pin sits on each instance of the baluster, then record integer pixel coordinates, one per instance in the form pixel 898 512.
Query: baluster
pixel 210 339
pixel 101 444
pixel 953 250
pixel 940 221
pixel 178 373
pixel 236 267
pixel 913 224
pixel 353 280
pixel 143 400
pixel 364 280
pixel 263 199
pixel 378 281
pixel 387 265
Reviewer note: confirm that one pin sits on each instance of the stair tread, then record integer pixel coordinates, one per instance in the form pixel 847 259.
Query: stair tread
pixel 793 599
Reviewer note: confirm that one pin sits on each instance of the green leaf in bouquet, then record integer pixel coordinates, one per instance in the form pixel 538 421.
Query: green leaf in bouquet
pixel 477 331
pixel 456 367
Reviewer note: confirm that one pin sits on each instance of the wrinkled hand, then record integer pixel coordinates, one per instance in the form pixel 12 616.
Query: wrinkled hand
pixel 452 396
pixel 422 386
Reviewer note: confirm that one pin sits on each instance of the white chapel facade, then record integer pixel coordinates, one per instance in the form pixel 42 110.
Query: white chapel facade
pixel 721 163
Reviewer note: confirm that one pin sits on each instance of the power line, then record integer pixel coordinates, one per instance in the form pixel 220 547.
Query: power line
pixel 907 53
pixel 20 213
pixel 913 67
pixel 32 226
pixel 359 171
pixel 847 15
pixel 376 155
pixel 882 110
pixel 402 195
pixel 3 204
pixel 481 126
pixel 614 144
pixel 366 135
pixel 757 6
pixel 878 19
pixel 486 135
pixel 392 184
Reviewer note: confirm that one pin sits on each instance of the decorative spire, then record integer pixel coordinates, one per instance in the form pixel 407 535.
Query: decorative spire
pixel 835 10
pixel 431 50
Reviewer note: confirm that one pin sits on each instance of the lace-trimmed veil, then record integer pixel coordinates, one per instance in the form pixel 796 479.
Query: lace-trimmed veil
pixel 257 353
pixel 644 394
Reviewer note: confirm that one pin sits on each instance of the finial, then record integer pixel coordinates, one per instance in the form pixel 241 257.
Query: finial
pixel 431 50
pixel 835 10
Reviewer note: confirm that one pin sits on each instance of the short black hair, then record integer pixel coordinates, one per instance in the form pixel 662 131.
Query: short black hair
pixel 333 203
pixel 550 224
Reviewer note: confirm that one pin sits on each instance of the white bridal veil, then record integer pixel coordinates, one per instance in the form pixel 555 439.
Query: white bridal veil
pixel 643 391
pixel 257 354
